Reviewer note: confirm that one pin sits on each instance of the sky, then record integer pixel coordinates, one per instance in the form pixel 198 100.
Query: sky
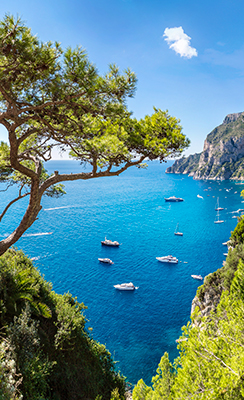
pixel 188 55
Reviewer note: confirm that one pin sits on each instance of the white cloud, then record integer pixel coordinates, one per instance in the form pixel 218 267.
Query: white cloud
pixel 179 41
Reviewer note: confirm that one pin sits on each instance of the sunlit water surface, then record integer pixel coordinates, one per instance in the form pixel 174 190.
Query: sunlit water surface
pixel 137 327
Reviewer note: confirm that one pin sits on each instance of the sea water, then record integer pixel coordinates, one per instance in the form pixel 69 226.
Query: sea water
pixel 65 241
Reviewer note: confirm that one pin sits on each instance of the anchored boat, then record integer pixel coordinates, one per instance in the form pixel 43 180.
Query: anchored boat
pixel 107 242
pixel 176 232
pixel 168 259
pixel 126 286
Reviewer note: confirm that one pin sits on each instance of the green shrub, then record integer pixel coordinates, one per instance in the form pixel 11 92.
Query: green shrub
pixel 54 353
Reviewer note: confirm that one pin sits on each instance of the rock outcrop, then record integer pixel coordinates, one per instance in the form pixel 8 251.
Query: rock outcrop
pixel 207 304
pixel 222 156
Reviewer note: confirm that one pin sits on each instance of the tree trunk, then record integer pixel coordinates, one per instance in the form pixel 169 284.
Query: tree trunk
pixel 30 215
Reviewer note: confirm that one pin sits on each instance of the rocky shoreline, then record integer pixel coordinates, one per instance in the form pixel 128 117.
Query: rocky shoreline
pixel 222 156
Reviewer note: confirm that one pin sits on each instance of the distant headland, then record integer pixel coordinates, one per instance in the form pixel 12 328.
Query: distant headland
pixel 222 156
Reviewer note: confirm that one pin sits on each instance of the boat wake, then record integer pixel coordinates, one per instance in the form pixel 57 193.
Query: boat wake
pixel 37 234
pixel 57 208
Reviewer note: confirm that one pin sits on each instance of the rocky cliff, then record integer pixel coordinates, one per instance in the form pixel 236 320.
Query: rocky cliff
pixel 222 156
pixel 206 304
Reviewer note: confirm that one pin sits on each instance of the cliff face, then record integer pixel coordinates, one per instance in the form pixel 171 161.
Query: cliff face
pixel 222 156
pixel 207 304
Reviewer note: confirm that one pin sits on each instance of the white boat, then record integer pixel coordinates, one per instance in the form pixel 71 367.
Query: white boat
pixel 200 197
pixel 126 286
pixel 176 232
pixel 167 259
pixel 218 221
pixel 199 277
pixel 105 260
pixel 107 242
pixel 173 199
pixel 217 207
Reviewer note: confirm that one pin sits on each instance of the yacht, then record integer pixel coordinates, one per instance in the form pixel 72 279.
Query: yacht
pixel 199 277
pixel 107 242
pixel 105 260
pixel 173 199
pixel 167 259
pixel 126 286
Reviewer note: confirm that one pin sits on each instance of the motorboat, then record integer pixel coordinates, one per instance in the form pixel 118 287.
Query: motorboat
pixel 200 197
pixel 126 286
pixel 167 259
pixel 107 242
pixel 173 199
pixel 199 277
pixel 176 232
pixel 105 260
pixel 217 207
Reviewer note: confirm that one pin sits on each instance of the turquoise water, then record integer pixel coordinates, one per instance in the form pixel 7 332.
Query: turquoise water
pixel 137 327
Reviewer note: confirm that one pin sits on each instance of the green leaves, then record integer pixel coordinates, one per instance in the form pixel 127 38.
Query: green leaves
pixel 50 98
pixel 52 357
pixel 211 362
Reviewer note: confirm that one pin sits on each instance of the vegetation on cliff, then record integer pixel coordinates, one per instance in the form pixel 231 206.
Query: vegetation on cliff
pixel 222 156
pixel 211 361
pixel 46 352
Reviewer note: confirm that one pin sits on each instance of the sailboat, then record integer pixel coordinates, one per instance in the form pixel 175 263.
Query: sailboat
pixel 218 221
pixel 217 207
pixel 177 232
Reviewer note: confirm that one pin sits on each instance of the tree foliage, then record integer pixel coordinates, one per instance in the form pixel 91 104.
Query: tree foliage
pixel 51 355
pixel 211 361
pixel 54 98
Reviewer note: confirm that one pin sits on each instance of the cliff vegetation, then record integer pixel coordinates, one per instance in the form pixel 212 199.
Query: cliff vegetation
pixel 210 365
pixel 46 351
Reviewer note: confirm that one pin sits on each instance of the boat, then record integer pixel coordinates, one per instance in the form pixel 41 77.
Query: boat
pixel 199 277
pixel 177 231
pixel 173 199
pixel 218 221
pixel 167 259
pixel 200 197
pixel 107 242
pixel 105 260
pixel 126 286
pixel 217 207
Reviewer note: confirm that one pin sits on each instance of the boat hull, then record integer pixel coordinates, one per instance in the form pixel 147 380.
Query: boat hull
pixel 109 244
pixel 123 288
pixel 105 260
pixel 165 261
pixel 198 277
pixel 177 200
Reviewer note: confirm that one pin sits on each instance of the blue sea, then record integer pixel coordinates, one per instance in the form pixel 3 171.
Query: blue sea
pixel 136 327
